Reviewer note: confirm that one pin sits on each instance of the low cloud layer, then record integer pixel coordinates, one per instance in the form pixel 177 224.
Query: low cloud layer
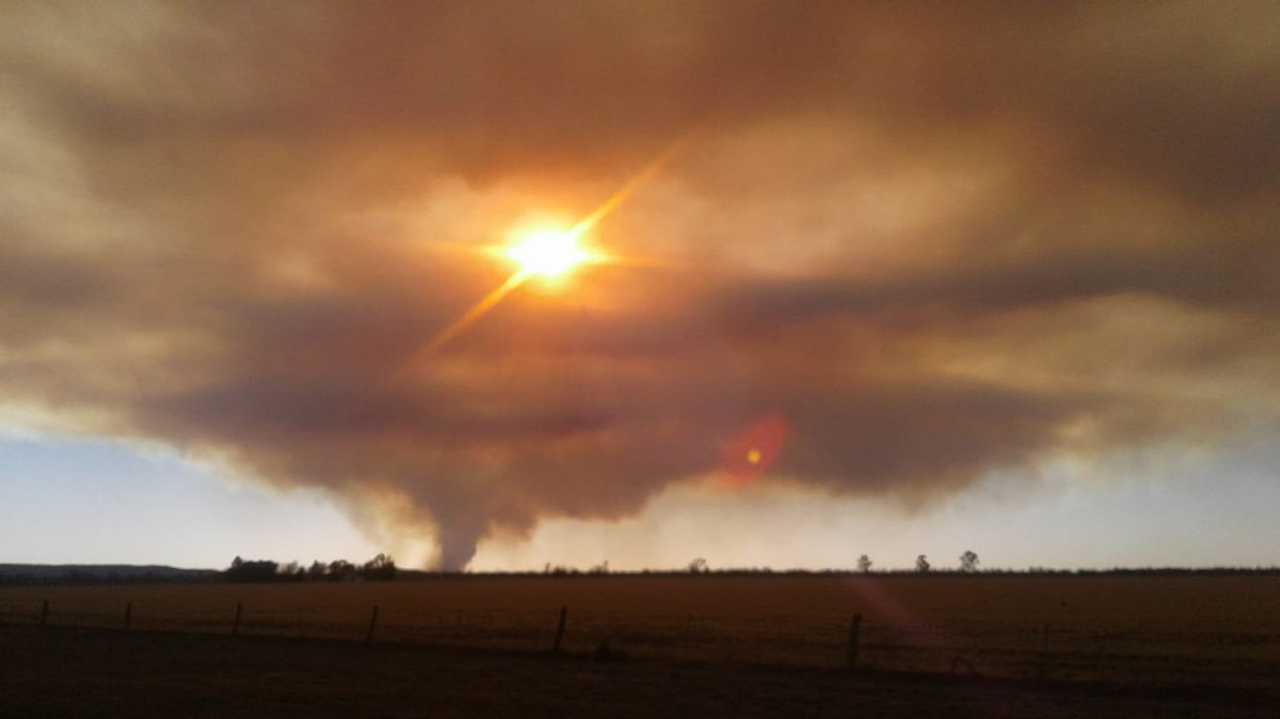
pixel 928 243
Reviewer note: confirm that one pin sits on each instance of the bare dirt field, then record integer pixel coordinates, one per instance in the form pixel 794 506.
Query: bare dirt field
pixel 1146 634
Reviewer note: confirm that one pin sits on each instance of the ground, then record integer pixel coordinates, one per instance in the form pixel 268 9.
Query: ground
pixel 63 672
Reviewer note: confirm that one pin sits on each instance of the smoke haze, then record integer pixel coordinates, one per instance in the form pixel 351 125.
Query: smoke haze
pixel 916 244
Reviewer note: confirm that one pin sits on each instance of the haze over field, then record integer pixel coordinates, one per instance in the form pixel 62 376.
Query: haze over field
pixel 865 261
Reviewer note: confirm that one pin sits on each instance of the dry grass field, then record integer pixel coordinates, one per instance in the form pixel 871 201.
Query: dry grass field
pixel 62 672
pixel 1190 631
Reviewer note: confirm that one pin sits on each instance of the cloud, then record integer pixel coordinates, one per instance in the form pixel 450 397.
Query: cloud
pixel 933 242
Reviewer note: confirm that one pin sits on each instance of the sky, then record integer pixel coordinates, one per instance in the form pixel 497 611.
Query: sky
pixel 892 279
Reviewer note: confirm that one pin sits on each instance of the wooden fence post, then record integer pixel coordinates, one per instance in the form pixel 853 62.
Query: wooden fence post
pixel 128 616
pixel 1043 669
pixel 564 615
pixel 235 628
pixel 855 628
pixel 44 612
pixel 373 625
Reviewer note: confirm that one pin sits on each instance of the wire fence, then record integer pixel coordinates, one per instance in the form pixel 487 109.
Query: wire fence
pixel 960 648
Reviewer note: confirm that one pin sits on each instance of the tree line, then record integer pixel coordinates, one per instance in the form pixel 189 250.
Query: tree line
pixel 968 565
pixel 379 569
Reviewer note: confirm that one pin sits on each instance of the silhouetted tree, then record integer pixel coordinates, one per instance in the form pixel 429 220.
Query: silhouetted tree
pixel 380 568
pixel 260 570
pixel 969 561
pixel 922 564
pixel 698 566
pixel 601 568
pixel 864 564
pixel 340 570
pixel 317 570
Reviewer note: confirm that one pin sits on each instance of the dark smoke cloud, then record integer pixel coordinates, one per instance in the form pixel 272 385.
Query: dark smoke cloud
pixel 933 241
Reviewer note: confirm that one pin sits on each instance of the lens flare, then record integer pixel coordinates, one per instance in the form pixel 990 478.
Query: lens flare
pixel 751 453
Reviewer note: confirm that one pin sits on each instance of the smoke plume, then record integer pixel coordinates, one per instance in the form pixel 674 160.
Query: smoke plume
pixel 915 243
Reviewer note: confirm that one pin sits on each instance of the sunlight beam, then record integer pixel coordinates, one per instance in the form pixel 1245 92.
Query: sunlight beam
pixel 477 311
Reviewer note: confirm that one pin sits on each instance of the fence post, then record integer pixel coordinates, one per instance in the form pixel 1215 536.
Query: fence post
pixel 855 628
pixel 1044 652
pixel 564 615
pixel 128 616
pixel 235 627
pixel 44 612
pixel 373 625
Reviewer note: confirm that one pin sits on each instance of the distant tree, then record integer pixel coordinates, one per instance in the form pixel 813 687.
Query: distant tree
pixel 317 570
pixel 340 570
pixel 969 561
pixel 601 568
pixel 922 564
pixel 380 568
pixel 864 564
pixel 259 570
pixel 698 566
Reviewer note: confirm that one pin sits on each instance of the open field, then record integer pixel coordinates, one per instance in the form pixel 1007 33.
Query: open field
pixel 57 672
pixel 1184 631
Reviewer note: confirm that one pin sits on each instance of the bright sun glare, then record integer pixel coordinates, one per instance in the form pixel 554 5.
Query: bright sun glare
pixel 548 253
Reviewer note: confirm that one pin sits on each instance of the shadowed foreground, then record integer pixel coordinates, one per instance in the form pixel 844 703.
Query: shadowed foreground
pixel 1134 631
pixel 67 672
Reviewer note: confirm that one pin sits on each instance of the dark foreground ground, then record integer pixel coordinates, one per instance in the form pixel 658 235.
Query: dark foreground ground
pixel 101 673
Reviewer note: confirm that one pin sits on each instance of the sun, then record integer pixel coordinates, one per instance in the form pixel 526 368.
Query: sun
pixel 548 253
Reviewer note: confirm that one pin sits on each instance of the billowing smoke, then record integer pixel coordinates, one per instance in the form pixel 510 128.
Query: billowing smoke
pixel 914 243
